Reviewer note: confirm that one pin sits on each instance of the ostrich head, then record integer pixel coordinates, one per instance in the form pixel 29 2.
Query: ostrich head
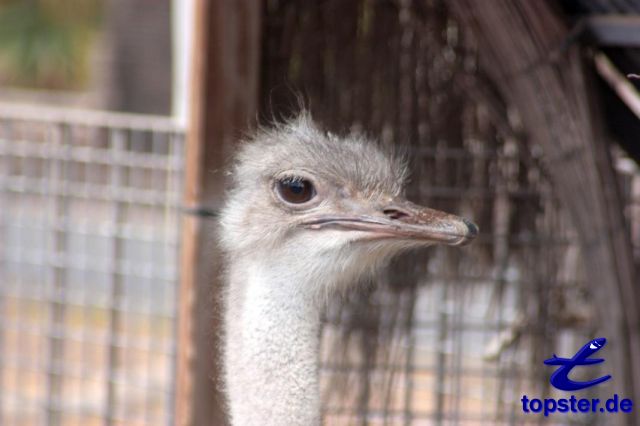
pixel 324 205
pixel 308 214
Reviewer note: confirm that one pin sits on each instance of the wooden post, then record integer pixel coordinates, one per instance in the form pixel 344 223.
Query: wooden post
pixel 224 94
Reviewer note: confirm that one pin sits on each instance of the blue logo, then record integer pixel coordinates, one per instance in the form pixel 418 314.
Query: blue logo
pixel 573 404
pixel 560 378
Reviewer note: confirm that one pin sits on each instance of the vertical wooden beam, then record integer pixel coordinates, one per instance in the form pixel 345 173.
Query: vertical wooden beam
pixel 224 93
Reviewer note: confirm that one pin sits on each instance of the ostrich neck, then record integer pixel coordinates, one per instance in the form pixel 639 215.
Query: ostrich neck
pixel 271 354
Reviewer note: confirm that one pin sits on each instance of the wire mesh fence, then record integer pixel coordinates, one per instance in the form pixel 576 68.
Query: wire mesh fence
pixel 88 273
pixel 448 339
pixel 89 233
pixel 88 266
pixel 452 338
pixel 446 336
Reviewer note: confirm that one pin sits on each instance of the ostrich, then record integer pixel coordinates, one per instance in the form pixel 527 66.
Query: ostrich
pixel 308 214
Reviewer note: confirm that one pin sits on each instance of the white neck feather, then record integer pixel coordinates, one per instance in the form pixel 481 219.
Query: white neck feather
pixel 271 353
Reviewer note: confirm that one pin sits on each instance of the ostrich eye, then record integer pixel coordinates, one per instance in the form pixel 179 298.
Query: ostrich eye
pixel 295 190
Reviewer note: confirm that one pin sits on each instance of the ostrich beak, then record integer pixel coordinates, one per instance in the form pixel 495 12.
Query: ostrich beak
pixel 402 220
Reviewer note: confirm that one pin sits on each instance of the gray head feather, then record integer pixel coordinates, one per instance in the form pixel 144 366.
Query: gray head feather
pixel 349 165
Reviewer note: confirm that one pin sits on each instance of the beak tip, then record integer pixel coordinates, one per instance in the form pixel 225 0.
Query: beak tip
pixel 472 228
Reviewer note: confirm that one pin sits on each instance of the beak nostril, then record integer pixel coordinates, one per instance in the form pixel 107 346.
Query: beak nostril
pixel 392 213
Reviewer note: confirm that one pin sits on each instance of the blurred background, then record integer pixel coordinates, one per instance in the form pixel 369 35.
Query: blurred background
pixel 117 118
pixel 94 54
pixel 89 224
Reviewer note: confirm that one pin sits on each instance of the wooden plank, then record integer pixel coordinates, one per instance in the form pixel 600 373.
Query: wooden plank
pixel 223 102
pixel 618 82
pixel 521 49
pixel 613 30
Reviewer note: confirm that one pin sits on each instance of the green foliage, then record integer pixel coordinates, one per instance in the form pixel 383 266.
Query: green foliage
pixel 46 43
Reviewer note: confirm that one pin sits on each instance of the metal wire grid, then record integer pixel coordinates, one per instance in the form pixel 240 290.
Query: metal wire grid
pixel 469 341
pixel 88 273
pixel 88 266
pixel 391 69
